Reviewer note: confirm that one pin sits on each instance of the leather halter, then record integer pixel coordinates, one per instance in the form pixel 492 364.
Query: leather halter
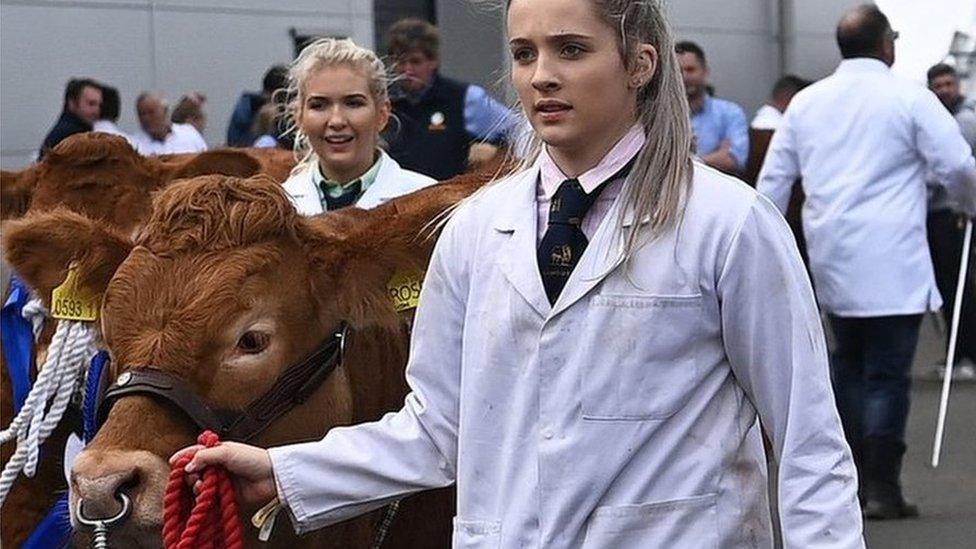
pixel 292 388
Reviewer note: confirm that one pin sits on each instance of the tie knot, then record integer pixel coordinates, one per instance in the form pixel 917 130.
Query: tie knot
pixel 570 203
pixel 347 196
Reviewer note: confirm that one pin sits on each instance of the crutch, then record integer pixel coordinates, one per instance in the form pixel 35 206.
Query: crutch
pixel 953 336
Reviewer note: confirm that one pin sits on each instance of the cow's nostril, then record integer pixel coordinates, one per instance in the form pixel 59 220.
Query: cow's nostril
pixel 100 523
pixel 100 495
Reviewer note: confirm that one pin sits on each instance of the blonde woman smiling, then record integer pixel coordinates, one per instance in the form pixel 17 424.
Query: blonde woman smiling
pixel 341 107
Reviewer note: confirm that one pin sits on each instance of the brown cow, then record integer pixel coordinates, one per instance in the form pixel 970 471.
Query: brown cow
pixel 102 177
pixel 224 288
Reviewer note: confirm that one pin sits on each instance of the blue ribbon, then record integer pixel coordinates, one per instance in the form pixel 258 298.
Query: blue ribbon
pixel 89 408
pixel 54 530
pixel 18 341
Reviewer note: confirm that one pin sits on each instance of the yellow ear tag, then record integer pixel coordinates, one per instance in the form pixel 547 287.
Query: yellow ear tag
pixel 404 289
pixel 71 302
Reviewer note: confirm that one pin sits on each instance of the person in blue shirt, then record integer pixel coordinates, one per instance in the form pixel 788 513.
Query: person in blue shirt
pixel 721 130
pixel 437 118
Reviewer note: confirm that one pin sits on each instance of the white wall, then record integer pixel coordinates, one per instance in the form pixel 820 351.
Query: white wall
pixel 222 47
pixel 219 47
pixel 741 39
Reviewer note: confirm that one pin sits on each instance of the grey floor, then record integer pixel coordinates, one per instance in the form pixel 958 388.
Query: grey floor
pixel 946 496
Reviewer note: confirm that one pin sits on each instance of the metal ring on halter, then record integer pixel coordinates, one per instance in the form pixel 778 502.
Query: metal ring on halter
pixel 341 334
pixel 104 522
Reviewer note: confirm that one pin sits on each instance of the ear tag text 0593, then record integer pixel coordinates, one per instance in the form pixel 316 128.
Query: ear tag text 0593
pixel 70 301
pixel 404 289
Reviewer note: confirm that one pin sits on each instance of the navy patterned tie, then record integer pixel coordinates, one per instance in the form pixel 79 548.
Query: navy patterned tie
pixel 564 241
pixel 348 197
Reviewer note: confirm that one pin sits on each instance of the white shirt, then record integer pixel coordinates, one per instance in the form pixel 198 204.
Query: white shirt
pixel 391 181
pixel 183 138
pixel 622 417
pixel 107 126
pixel 767 117
pixel 862 140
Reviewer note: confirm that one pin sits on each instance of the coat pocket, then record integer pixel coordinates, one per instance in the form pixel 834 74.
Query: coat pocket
pixel 645 350
pixel 476 534
pixel 686 522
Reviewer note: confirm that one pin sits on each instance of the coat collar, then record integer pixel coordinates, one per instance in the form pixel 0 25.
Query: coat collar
pixel 389 183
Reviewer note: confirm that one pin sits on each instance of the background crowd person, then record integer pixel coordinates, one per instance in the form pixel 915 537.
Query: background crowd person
pixel 189 110
pixel 266 126
pixel 721 130
pixel 946 227
pixel 159 135
pixel 240 129
pixel 769 116
pixel 437 118
pixel 342 105
pixel 79 111
pixel 109 116
pixel 862 140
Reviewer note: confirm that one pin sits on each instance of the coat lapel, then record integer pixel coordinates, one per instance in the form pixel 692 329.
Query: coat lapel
pixel 517 256
pixel 301 189
pixel 389 184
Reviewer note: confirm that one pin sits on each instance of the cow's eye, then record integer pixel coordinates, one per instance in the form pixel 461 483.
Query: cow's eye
pixel 253 342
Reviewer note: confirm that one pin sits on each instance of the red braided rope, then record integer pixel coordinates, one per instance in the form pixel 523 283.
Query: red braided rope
pixel 210 521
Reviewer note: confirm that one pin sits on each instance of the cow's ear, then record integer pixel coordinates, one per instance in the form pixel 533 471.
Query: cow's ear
pixel 16 190
pixel 355 253
pixel 350 266
pixel 222 162
pixel 40 247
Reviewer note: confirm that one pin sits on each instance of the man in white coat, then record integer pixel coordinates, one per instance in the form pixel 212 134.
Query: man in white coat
pixel 862 142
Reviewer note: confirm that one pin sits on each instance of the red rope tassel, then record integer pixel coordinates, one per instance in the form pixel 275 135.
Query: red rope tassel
pixel 208 522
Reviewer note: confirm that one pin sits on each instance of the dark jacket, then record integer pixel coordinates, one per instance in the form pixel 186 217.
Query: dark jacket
pixel 68 124
pixel 429 135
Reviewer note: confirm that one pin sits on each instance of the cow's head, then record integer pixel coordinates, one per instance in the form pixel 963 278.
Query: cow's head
pixel 102 177
pixel 225 287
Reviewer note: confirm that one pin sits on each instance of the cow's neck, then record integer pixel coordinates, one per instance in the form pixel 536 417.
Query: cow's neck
pixel 375 362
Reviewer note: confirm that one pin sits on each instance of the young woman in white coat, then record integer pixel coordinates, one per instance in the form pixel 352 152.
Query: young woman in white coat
pixel 598 333
pixel 341 107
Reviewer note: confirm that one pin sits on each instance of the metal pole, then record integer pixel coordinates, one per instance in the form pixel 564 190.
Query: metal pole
pixel 953 336
pixel 784 33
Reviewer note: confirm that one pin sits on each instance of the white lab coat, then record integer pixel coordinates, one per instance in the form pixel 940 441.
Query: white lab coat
pixel 863 140
pixel 391 181
pixel 623 416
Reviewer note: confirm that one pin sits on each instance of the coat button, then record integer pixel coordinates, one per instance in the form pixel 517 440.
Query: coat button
pixel 547 433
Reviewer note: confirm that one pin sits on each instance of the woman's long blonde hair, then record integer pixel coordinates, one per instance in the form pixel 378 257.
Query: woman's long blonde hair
pixel 661 177
pixel 322 53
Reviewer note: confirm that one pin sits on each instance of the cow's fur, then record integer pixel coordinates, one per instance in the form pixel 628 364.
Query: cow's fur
pixel 213 251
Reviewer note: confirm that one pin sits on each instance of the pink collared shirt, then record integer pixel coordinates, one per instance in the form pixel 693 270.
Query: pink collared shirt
pixel 550 177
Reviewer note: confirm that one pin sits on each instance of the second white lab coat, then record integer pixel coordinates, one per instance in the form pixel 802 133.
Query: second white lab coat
pixel 863 141
pixel 622 417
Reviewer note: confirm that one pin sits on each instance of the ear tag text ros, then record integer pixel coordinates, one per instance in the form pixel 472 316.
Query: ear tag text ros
pixel 404 289
pixel 70 301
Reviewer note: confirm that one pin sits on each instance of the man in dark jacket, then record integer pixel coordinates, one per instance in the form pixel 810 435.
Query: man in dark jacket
pixel 240 131
pixel 82 106
pixel 437 118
